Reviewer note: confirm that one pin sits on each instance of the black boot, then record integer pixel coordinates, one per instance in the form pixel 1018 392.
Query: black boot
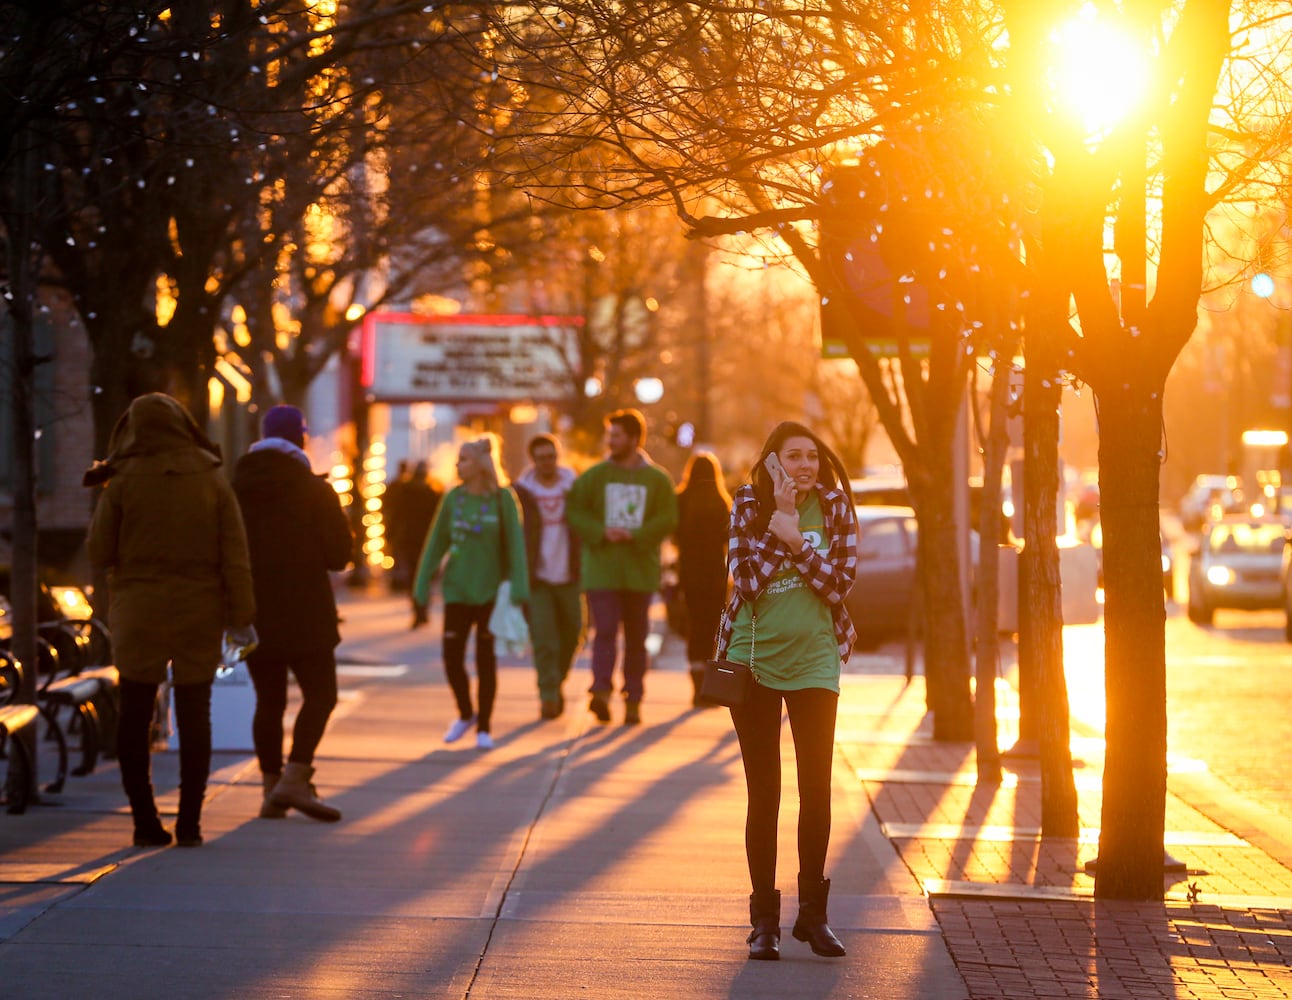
pixel 193 719
pixel 765 916
pixel 134 761
pixel 811 924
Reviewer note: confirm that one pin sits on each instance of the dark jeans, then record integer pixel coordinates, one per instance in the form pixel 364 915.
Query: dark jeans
pixel 315 674
pixel 134 754
pixel 609 609
pixel 812 715
pixel 459 619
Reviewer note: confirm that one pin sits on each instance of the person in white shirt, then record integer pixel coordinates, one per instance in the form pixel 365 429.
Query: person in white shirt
pixel 556 613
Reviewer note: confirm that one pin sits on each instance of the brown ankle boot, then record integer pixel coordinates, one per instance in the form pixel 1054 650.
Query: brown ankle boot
pixel 267 808
pixel 294 791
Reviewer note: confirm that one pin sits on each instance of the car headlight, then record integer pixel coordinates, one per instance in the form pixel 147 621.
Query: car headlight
pixel 1220 576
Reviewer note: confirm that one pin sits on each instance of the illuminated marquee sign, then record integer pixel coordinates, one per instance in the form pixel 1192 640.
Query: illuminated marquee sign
pixel 458 359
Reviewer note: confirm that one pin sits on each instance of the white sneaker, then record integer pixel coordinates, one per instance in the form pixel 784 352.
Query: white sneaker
pixel 484 741
pixel 458 729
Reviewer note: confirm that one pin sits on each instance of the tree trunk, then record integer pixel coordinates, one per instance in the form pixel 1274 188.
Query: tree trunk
pixel 111 397
pixel 24 577
pixel 190 354
pixel 124 365
pixel 1134 801
pixel 946 647
pixel 987 638
pixel 1042 616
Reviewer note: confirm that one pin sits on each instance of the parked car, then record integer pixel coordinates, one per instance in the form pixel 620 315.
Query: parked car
pixel 886 489
pixel 882 599
pixel 1238 564
pixel 889 489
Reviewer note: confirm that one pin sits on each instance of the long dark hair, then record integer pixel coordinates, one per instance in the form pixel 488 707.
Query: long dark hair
pixel 832 471
pixel 703 474
pixel 702 497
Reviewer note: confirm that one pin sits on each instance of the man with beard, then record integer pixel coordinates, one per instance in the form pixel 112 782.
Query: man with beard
pixel 622 509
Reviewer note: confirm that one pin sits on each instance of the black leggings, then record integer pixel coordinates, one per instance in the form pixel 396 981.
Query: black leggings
pixel 458 622
pixel 315 674
pixel 812 715
pixel 134 753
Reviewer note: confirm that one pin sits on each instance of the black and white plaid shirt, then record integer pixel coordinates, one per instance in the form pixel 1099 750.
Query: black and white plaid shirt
pixel 753 561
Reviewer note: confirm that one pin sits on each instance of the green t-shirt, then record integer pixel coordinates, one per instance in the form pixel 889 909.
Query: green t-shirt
pixel 794 644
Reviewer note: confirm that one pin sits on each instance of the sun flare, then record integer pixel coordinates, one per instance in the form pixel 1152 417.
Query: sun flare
pixel 1100 71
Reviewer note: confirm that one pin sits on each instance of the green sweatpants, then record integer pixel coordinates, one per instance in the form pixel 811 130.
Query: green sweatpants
pixel 556 629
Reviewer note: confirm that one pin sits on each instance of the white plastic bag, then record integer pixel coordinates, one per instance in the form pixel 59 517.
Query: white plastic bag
pixel 508 625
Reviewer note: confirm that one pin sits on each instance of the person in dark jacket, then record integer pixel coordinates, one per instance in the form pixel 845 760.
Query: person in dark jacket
pixel 167 531
pixel 418 502
pixel 394 519
pixel 297 532
pixel 703 513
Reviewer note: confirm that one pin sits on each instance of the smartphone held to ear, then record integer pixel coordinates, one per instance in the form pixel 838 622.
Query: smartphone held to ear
pixel 773 466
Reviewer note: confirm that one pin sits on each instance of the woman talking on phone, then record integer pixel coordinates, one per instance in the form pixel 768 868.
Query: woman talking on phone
pixel 792 553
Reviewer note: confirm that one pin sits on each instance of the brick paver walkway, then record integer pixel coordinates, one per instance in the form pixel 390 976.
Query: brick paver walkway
pixel 1016 910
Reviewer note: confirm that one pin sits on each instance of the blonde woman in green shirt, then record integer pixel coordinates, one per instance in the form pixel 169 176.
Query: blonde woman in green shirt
pixel 475 543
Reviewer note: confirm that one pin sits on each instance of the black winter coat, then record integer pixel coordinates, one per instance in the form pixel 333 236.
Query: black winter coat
pixel 297 532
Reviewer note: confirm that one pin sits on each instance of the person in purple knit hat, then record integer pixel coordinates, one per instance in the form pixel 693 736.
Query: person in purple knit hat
pixel 297 532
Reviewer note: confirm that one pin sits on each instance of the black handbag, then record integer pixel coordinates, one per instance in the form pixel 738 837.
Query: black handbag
pixel 727 682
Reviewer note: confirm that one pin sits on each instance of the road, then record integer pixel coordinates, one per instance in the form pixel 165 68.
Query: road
pixel 1229 691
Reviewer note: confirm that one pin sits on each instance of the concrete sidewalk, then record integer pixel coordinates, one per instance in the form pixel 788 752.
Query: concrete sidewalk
pixel 578 860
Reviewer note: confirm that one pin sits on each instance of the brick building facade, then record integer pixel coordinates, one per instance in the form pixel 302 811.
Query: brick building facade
pixel 65 429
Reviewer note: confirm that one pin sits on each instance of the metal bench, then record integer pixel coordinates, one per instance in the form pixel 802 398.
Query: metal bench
pixel 70 678
pixel 14 718
pixel 91 695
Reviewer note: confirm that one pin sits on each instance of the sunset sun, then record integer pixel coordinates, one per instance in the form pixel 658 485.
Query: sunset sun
pixel 1100 71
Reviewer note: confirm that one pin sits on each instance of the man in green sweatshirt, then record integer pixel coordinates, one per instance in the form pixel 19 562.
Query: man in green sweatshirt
pixel 622 510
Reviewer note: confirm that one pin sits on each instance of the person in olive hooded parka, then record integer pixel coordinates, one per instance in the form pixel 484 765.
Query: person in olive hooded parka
pixel 168 532
pixel 297 532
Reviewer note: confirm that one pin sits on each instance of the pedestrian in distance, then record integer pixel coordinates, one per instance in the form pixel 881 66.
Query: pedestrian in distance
pixel 622 509
pixel 556 616
pixel 167 531
pixel 297 532
pixel 792 553
pixel 475 543
pixel 703 514
pixel 419 500
pixel 394 521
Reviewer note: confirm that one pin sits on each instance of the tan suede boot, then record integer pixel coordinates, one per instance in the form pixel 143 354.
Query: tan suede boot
pixel 267 809
pixel 294 791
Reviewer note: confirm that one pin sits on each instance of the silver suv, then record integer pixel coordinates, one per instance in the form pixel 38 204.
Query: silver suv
pixel 1239 564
